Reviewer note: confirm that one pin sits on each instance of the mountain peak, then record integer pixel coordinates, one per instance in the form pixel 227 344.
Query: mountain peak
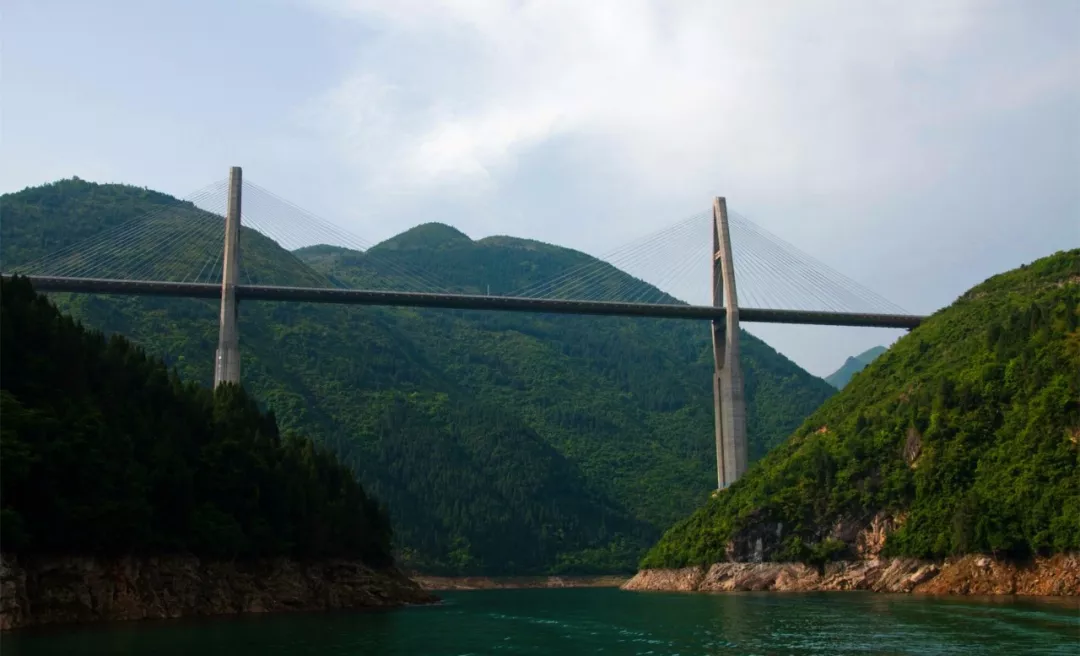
pixel 853 365
pixel 869 355
pixel 425 236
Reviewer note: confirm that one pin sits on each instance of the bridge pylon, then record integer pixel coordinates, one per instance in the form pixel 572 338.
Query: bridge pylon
pixel 729 402
pixel 227 357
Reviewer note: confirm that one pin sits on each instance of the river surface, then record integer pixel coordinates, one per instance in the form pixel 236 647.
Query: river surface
pixel 606 621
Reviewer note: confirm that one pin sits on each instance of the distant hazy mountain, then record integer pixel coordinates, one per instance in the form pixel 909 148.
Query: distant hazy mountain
pixel 854 365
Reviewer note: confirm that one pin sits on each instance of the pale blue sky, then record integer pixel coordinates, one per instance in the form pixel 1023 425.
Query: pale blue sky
pixel 917 146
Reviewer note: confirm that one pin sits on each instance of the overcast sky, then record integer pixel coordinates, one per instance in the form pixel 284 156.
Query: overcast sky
pixel 916 146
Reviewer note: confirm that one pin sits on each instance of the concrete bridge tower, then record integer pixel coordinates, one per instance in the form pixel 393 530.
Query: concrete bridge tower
pixel 728 397
pixel 227 357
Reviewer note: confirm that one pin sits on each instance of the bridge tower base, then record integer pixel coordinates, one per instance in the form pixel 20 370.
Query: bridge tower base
pixel 227 357
pixel 729 403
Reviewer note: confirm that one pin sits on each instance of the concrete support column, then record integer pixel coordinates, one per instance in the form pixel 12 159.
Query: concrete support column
pixel 728 395
pixel 227 357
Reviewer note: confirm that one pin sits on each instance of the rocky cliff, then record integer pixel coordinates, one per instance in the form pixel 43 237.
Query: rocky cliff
pixel 749 566
pixel 72 589
pixel 973 574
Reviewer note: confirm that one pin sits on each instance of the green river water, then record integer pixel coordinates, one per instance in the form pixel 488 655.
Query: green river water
pixel 601 621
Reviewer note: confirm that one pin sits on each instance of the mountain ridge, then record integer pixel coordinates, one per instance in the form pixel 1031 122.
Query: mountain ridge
pixel 501 443
pixel 853 365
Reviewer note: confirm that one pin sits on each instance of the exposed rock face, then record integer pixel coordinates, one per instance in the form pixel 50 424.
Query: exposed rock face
pixel 687 579
pixel 762 538
pixel 974 574
pixel 912 447
pixel 756 543
pixel 894 575
pixel 750 566
pixel 75 589
pixel 871 539
pixel 980 575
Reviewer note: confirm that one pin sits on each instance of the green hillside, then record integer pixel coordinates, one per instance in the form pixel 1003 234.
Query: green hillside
pixel 852 366
pixel 966 431
pixel 499 442
pixel 105 452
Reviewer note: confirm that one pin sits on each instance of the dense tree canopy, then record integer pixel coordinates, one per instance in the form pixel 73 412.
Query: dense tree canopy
pixel 103 450
pixel 967 430
pixel 499 442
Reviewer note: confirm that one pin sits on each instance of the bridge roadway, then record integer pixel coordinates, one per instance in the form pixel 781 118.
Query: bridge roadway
pixel 463 302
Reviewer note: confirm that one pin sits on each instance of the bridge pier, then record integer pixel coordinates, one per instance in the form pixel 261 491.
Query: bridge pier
pixel 729 403
pixel 227 357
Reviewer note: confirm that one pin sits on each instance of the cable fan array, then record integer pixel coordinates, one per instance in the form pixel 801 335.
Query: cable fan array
pixel 676 263
pixel 283 244
pixel 638 272
pixel 183 242
pixel 179 242
pixel 770 273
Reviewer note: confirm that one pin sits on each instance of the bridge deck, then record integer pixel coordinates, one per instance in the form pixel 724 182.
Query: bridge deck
pixel 464 302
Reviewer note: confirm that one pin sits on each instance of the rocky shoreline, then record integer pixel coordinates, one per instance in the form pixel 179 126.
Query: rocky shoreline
pixel 1057 575
pixel 58 590
pixel 509 582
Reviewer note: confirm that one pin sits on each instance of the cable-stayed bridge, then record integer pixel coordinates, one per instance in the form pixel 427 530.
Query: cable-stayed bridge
pixel 290 254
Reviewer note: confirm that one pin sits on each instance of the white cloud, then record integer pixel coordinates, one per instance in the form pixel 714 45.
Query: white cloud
pixel 860 125
pixel 809 97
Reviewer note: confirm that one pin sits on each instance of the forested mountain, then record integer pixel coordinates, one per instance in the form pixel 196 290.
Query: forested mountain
pixel 852 366
pixel 966 433
pixel 103 451
pixel 499 442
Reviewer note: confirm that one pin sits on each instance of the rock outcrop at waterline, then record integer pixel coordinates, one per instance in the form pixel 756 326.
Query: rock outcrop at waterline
pixel 968 575
pixel 516 582
pixel 74 589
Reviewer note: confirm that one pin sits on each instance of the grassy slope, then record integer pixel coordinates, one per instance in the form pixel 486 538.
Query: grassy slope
pixel 968 427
